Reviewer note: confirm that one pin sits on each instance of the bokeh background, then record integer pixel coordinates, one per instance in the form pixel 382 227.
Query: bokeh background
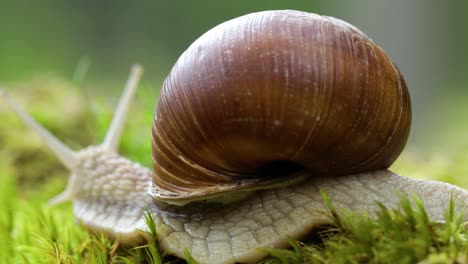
pixel 428 40
pixel 66 62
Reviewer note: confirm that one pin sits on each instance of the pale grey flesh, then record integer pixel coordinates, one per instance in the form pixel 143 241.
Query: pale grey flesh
pixel 115 202
pixel 110 195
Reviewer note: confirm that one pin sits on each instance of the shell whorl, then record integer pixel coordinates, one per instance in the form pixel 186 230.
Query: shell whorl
pixel 110 193
pixel 276 91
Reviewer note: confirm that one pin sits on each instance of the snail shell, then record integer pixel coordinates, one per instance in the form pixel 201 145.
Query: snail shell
pixel 258 102
pixel 270 93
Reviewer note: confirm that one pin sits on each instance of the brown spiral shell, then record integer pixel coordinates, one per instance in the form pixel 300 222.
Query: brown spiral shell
pixel 263 95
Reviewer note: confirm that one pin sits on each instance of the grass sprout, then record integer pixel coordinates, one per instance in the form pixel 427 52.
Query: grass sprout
pixel 401 235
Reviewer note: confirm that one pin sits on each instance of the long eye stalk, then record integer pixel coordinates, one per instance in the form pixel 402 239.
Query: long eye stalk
pixel 114 133
pixel 61 151
pixel 68 157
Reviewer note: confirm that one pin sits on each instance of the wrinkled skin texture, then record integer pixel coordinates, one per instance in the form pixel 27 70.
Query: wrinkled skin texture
pixel 112 195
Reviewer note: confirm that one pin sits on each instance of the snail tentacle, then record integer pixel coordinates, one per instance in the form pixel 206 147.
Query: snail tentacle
pixel 68 157
pixel 61 151
pixel 344 109
pixel 110 195
pixel 114 133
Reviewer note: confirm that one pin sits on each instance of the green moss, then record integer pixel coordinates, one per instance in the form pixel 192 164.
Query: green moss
pixel 32 232
pixel 402 235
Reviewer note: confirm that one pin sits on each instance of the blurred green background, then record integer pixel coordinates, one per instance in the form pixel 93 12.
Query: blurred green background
pixel 426 38
pixel 67 61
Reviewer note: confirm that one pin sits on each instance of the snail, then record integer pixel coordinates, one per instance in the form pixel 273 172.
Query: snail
pixel 255 118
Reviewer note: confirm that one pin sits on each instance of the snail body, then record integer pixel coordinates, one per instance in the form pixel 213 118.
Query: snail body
pixel 261 112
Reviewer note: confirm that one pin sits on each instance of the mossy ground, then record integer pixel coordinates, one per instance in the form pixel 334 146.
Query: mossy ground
pixel 33 232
